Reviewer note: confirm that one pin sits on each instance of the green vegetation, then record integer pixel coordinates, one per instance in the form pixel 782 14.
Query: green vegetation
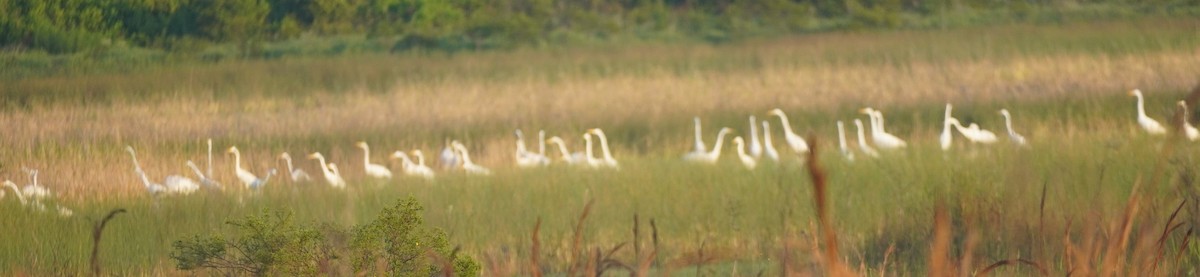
pixel 1063 203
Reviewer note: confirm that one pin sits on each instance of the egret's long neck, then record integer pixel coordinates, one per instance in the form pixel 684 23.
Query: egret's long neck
pixel 237 160
pixel 588 148
pixel 862 140
pixel 1141 106
pixel 420 159
pixel 604 147
pixel 22 198
pixel 324 167
pixel 767 136
pixel 753 131
pixel 716 150
pixel 787 126
pixel 699 138
pixel 741 150
pixel 562 149
pixel 542 143
pixel 288 161
pixel 946 127
pixel 1008 124
pixel 197 170
pixel 209 158
pixel 466 157
pixel 366 156
pixel 841 136
pixel 876 125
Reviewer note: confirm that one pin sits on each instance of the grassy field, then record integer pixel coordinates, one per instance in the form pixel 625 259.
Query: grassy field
pixel 1048 203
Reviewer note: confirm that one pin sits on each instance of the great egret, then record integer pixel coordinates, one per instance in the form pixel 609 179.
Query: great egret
pixel 34 203
pixel 373 170
pixel 295 174
pixel 34 190
pixel 973 133
pixel 151 187
pixel 1189 130
pixel 575 158
pixel 331 175
pixel 747 160
pixel 467 165
pixel 755 147
pixel 862 141
pixel 204 180
pixel 1020 140
pixel 947 138
pixel 842 141
pixel 449 157
pixel 879 136
pixel 420 169
pixel 713 155
pixel 1149 124
pixel 608 161
pixel 795 141
pixel 768 147
pixel 248 178
pixel 524 157
pixel 698 143
pixel 589 159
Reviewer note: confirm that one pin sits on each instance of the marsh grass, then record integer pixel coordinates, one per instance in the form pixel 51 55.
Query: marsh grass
pixel 1065 85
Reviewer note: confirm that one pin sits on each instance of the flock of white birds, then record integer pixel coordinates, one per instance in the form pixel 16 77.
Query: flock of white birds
pixel 455 157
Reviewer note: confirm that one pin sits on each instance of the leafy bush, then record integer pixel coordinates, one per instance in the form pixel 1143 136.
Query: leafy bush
pixel 268 244
pixel 399 241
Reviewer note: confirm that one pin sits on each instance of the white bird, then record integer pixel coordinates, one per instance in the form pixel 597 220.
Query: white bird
pixel 248 178
pixel 842 142
pixel 210 171
pixel 34 190
pixel 768 147
pixel 329 171
pixel 575 158
pixel 747 160
pixel 947 137
pixel 795 141
pixel 712 156
pixel 879 136
pixel 1149 124
pixel 525 158
pixel 204 180
pixel 258 184
pixel 419 169
pixel 151 187
pixel 176 184
pixel 373 170
pixel 467 165
pixel 756 148
pixel 1020 140
pixel 862 141
pixel 449 158
pixel 589 159
pixel 295 174
pixel 698 143
pixel 1189 130
pixel 608 161
pixel 34 203
pixel 973 133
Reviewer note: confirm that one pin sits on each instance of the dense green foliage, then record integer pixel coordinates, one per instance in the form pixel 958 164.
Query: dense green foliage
pixel 66 26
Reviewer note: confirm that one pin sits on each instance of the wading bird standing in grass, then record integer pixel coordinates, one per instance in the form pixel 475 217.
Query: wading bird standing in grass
pixel 329 170
pixel 1149 124
pixel 698 142
pixel 467 165
pixel 713 155
pixel 204 180
pixel 756 149
pixel 34 190
pixel 33 203
pixel 795 141
pixel 373 170
pixel 152 188
pixel 576 158
pixel 862 141
pixel 879 136
pixel 747 160
pixel 608 161
pixel 1190 131
pixel 243 175
pixel 842 142
pixel 973 133
pixel 947 137
pixel 295 174
pixel 524 157
pixel 1018 139
pixel 768 146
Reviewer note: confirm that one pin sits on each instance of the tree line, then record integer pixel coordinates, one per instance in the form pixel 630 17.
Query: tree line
pixel 64 26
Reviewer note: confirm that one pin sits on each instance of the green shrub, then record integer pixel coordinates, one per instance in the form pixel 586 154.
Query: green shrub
pixel 267 244
pixel 399 241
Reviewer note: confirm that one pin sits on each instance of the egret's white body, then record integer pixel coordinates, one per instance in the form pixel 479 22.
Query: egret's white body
pixel 176 184
pixel 756 148
pixel 1149 124
pixel 795 141
pixel 608 159
pixel 373 170
pixel 879 136
pixel 576 158
pixel 295 174
pixel 713 155
pixel 768 146
pixel 862 141
pixel 329 171
pixel 973 133
pixel 842 142
pixel 747 160
pixel 1018 139
pixel 467 165
pixel 1190 131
